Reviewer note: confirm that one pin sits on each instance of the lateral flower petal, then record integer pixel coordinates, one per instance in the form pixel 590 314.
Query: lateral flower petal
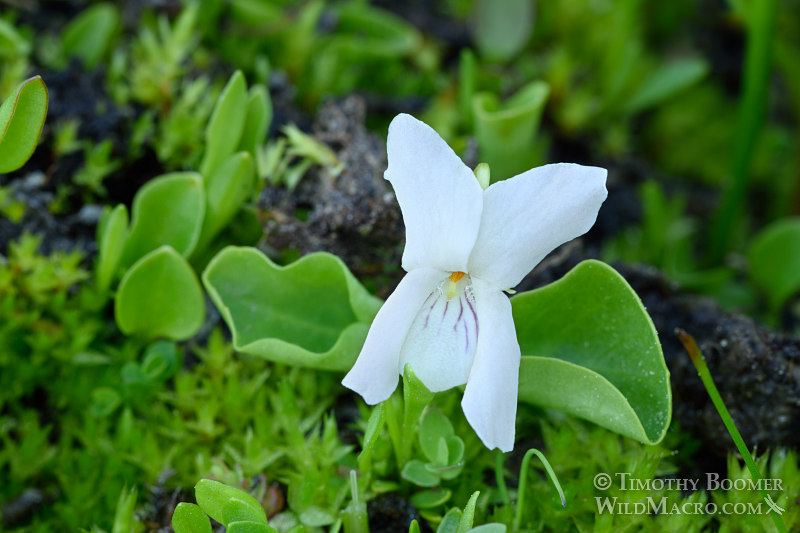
pixel 375 374
pixel 524 218
pixel 490 399
pixel 438 194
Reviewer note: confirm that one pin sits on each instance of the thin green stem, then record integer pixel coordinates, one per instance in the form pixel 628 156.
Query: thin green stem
pixel 500 479
pixel 523 481
pixel 702 369
pixel 760 30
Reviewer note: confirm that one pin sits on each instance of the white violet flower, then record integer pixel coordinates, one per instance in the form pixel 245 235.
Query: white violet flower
pixel 448 317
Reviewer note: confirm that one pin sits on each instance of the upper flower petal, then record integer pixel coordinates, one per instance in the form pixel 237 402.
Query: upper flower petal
pixel 524 218
pixel 438 194
pixel 490 399
pixel 374 375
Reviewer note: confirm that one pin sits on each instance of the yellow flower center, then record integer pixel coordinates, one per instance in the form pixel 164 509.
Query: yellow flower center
pixel 452 281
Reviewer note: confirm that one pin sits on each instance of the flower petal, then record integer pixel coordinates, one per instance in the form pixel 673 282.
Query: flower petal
pixel 441 342
pixel 374 375
pixel 524 218
pixel 490 399
pixel 439 196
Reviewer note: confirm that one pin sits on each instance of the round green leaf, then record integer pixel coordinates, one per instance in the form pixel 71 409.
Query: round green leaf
pixel 168 210
pixel 21 120
pixel 160 296
pixel 213 497
pixel 246 526
pixel 427 499
pixel 597 354
pixel 415 472
pixel 238 510
pixel 774 260
pixel 310 313
pixel 188 518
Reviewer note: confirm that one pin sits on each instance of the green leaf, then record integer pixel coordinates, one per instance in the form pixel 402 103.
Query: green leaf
pixel 112 234
pixel 225 126
pixel 105 401
pixel 415 472
pixel 160 361
pixel 89 35
pixel 160 296
pixel 413 527
pixel 450 521
pixel 375 423
pixel 365 31
pixel 435 427
pixel 167 210
pixel 502 28
pixel 428 499
pixel 21 120
pixel 591 350
pixel 505 133
pixel 188 518
pixel 469 513
pixel 311 313
pixel 489 528
pixel 124 520
pixel 227 188
pixel 256 124
pixel 238 510
pixel 213 496
pixel 667 81
pixel 774 258
pixel 248 527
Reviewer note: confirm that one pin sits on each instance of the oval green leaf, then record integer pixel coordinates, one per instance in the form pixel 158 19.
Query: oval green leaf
pixel 21 120
pixel 774 260
pixel 213 497
pixel 112 233
pixel 160 296
pixel 188 518
pixel 311 313
pixel 591 350
pixel 225 126
pixel 167 210
pixel 89 35
pixel 238 510
pixel 227 188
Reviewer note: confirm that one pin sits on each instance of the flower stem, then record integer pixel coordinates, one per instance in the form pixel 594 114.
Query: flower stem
pixel 523 481
pixel 702 369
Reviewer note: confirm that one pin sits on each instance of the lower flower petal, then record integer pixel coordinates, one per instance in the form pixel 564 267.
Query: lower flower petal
pixel 490 399
pixel 374 375
pixel 441 343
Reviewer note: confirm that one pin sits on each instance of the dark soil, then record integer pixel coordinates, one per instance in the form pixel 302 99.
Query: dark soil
pixel 355 215
pixel 389 513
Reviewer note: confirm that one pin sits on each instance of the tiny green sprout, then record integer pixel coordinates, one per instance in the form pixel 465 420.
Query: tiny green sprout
pixel 306 146
pixel 354 517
